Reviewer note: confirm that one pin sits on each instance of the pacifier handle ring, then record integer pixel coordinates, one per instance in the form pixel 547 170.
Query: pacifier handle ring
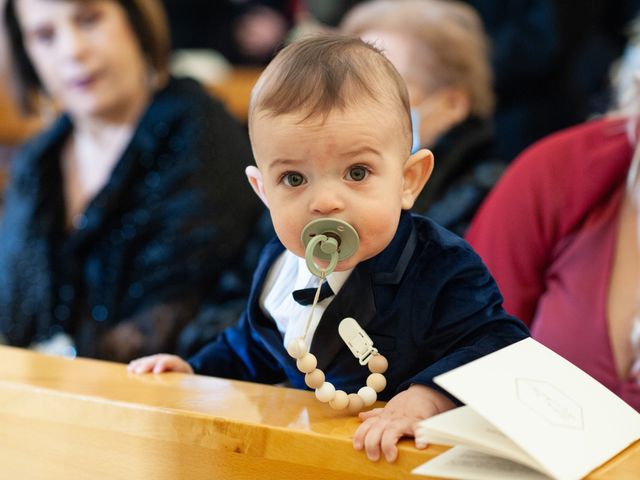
pixel 308 256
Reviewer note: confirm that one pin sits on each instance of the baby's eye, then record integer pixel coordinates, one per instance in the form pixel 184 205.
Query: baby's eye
pixel 293 179
pixel 357 173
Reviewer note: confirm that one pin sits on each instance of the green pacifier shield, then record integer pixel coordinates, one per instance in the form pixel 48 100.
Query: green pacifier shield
pixel 345 235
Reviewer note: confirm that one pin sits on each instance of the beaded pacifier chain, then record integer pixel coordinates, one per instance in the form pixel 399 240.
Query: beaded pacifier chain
pixel 333 240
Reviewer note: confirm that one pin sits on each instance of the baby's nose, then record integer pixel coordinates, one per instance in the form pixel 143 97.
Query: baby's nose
pixel 326 201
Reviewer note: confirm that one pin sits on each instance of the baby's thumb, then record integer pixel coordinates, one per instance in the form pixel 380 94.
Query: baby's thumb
pixel 420 445
pixel 421 442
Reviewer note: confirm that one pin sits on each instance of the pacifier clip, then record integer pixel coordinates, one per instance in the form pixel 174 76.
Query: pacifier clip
pixel 333 240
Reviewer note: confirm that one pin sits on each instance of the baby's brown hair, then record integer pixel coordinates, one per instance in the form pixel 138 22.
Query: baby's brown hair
pixel 322 73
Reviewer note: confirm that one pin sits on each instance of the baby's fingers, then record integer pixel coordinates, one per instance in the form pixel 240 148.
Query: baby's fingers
pixel 371 413
pixel 392 433
pixel 418 433
pixel 361 433
pixel 142 365
pixel 171 363
pixel 164 364
pixel 388 445
pixel 373 437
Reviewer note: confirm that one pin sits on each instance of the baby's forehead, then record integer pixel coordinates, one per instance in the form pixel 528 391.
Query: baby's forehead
pixel 385 109
pixel 343 131
pixel 342 136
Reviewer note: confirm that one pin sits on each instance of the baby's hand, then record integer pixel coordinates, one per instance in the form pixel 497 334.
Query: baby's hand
pixel 382 427
pixel 159 363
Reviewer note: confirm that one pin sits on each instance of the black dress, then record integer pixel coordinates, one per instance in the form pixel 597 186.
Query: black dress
pixel 164 235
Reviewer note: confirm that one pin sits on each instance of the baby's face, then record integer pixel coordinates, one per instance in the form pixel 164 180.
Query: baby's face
pixel 349 167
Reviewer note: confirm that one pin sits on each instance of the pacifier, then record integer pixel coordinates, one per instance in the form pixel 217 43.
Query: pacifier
pixel 328 239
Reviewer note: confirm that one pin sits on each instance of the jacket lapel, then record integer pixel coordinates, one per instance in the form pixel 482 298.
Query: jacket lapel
pixel 264 324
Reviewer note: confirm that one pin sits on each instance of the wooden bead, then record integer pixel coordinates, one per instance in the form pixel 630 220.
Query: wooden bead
pixel 314 379
pixel 378 364
pixel 308 363
pixel 368 396
pixel 377 382
pixel 326 392
pixel 356 404
pixel 297 348
pixel 340 400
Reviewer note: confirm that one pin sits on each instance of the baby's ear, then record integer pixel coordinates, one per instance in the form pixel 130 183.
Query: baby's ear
pixel 417 170
pixel 255 180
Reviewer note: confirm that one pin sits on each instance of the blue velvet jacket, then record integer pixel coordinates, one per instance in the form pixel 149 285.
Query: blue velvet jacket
pixel 427 301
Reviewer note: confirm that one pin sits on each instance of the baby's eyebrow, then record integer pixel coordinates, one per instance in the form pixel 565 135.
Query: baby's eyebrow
pixel 280 162
pixel 354 152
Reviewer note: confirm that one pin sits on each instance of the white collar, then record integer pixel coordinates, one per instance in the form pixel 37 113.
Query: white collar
pixel 305 279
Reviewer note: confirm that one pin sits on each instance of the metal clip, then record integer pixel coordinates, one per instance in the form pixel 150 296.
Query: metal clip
pixel 357 340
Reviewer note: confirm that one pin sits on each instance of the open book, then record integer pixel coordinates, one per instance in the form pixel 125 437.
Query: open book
pixel 529 414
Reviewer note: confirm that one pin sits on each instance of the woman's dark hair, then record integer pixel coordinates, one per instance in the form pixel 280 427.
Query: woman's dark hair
pixel 148 22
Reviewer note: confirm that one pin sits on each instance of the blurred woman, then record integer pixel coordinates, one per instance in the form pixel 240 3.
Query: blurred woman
pixel 441 50
pixel 561 235
pixel 123 215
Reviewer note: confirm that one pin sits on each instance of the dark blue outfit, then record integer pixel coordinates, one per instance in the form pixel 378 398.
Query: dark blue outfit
pixel 533 92
pixel 427 302
pixel 551 62
pixel 151 246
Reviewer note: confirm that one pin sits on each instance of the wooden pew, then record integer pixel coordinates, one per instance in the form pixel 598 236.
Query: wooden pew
pixel 63 418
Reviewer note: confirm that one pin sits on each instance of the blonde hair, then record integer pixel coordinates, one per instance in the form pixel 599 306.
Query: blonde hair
pixel 321 73
pixel 450 48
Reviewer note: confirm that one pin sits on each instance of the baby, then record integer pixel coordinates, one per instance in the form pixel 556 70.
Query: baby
pixel 331 134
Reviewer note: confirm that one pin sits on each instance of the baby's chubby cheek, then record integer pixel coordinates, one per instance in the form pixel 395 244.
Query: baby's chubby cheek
pixel 290 238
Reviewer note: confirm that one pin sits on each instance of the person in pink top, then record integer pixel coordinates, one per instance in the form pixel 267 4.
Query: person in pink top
pixel 560 233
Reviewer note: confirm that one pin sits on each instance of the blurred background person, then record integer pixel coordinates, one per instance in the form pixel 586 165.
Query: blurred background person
pixel 526 80
pixel 441 50
pixel 561 235
pixel 245 32
pixel 550 60
pixel 132 208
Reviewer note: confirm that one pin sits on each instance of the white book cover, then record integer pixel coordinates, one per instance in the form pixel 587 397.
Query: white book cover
pixel 527 404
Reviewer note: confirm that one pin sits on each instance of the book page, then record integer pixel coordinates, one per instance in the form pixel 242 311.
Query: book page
pixel 461 462
pixel 463 426
pixel 560 416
